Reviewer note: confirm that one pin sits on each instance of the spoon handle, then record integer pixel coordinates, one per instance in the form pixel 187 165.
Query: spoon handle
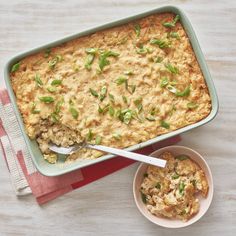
pixel 131 155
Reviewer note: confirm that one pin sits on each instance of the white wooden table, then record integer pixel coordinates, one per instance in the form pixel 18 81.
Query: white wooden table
pixel 106 207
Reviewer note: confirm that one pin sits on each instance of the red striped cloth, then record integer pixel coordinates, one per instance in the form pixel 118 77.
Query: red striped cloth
pixel 25 176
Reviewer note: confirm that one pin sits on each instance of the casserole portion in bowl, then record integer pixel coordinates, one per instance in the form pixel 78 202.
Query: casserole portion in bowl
pixel 117 87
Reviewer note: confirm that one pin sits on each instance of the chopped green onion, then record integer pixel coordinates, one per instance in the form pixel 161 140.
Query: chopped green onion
pixel 102 61
pixel 98 140
pixel 116 136
pixel 183 93
pixel 142 50
pixel 89 136
pixel 88 61
pixel 158 60
pixel 125 100
pixel 172 23
pixel 38 80
pixel 158 186
pixel 103 93
pixel 174 35
pixel 137 30
pixel 93 92
pixel 138 103
pixel 121 80
pixel 131 88
pixel 74 112
pixel 171 89
pixel 164 82
pixel 182 157
pixel 104 109
pixel 175 176
pixel 111 111
pixel 91 50
pixel 144 198
pixel 172 69
pixel 161 43
pixel 47 52
pixel 15 67
pixel 150 118
pixel 181 188
pixel 56 82
pixel 59 105
pixel 54 61
pixel 51 89
pixel 153 111
pixel 192 105
pixel 164 124
pixel 127 117
pixel 33 109
pixel 46 99
pixel 55 117
pixel 111 97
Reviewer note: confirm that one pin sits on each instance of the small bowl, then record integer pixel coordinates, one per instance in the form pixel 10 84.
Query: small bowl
pixel 204 202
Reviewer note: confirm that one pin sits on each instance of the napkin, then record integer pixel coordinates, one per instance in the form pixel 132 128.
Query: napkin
pixel 27 180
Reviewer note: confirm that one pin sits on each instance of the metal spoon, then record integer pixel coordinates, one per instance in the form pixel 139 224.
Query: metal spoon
pixel 119 152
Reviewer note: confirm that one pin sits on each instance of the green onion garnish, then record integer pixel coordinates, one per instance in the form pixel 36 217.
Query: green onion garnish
pixel 47 52
pixel 138 103
pixel 38 80
pixel 161 43
pixel 164 82
pixel 89 136
pixel 171 68
pixel 91 50
pixel 174 35
pixel 88 61
pixel 74 112
pixel 98 140
pixel 158 60
pixel 125 100
pixel 192 105
pixel 121 80
pixel 15 67
pixel 182 157
pixel 102 61
pixel 116 136
pixel 128 72
pixel 183 93
pixel 144 198
pixel 59 105
pixel 137 29
pixel 175 176
pixel 93 92
pixel 54 61
pixel 150 118
pixel 103 93
pixel 51 89
pixel 172 23
pixel 33 109
pixel 111 97
pixel 181 188
pixel 111 111
pixel 55 117
pixel 56 82
pixel 164 124
pixel 46 99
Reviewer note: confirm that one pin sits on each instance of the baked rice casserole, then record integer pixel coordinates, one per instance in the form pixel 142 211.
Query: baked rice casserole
pixel 173 191
pixel 117 87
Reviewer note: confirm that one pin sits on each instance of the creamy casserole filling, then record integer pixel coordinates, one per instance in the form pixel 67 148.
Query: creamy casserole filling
pixel 117 87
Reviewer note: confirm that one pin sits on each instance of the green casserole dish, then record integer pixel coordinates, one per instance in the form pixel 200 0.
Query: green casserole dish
pixel 60 167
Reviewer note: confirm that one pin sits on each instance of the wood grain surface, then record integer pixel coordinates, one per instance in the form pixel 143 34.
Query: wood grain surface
pixel 106 207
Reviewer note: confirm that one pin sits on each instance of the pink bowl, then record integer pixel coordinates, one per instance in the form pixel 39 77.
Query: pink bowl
pixel 204 202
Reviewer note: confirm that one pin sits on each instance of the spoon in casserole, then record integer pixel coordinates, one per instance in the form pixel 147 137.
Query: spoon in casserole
pixel 119 152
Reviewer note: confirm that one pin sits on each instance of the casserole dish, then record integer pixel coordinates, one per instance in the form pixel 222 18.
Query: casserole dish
pixel 60 167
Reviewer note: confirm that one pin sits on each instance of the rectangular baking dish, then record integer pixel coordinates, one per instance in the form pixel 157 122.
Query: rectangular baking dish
pixel 61 168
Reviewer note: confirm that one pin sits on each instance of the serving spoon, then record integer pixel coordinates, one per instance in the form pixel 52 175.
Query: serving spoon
pixel 119 152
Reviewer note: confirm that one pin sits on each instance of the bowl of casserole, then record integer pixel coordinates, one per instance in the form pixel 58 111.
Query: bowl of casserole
pixel 179 194
pixel 126 84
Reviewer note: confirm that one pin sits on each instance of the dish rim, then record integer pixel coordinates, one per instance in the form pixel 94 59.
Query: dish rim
pixel 197 51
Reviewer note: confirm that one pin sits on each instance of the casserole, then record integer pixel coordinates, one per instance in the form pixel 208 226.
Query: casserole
pixel 62 167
